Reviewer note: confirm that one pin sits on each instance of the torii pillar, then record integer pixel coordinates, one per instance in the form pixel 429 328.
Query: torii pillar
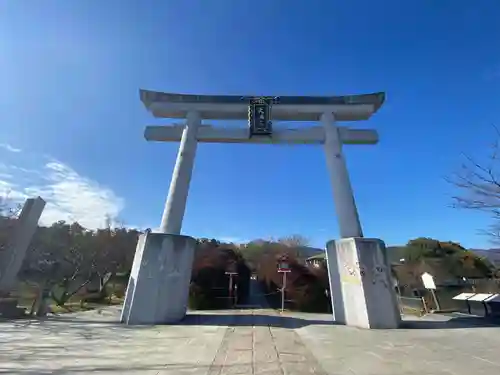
pixel 158 288
pixel 359 273
pixel 361 287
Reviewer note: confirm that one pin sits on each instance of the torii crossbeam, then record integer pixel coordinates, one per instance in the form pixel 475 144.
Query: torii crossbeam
pixel 216 134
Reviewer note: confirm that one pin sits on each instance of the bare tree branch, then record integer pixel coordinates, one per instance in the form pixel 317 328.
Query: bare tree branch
pixel 479 187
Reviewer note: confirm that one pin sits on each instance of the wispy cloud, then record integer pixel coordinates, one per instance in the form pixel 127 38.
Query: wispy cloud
pixel 10 148
pixel 235 240
pixel 69 195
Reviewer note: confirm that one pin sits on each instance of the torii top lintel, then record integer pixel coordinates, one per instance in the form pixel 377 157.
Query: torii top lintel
pixel 289 108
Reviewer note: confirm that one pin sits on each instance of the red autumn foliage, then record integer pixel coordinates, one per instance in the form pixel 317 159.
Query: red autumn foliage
pixel 209 281
pixel 305 286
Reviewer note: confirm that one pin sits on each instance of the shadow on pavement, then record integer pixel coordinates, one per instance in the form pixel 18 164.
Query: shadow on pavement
pixel 452 323
pixel 191 319
pixel 241 320
pixel 244 319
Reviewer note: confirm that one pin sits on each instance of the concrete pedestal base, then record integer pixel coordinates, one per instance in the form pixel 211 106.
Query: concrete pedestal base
pixel 158 288
pixel 361 285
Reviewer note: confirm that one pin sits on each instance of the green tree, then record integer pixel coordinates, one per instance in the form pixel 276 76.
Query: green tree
pixel 452 257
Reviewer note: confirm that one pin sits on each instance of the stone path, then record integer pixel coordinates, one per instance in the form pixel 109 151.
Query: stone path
pixel 256 342
pixel 251 346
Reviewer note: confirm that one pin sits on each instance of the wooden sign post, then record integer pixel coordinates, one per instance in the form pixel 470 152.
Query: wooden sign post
pixel 430 285
pixel 283 268
pixel 232 272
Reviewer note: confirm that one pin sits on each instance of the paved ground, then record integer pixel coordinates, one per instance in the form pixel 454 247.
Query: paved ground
pixel 433 345
pixel 245 342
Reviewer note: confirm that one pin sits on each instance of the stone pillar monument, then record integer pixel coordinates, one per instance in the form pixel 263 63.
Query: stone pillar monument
pixel 12 259
pixel 362 292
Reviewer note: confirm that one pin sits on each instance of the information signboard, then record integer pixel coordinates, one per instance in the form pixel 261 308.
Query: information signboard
pixel 428 281
pixel 283 267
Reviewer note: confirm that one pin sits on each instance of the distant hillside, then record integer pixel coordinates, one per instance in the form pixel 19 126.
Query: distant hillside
pixel 308 251
pixel 396 253
pixel 493 255
pixel 302 252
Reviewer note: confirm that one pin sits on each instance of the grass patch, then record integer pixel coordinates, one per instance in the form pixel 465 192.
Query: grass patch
pixel 406 310
pixel 26 293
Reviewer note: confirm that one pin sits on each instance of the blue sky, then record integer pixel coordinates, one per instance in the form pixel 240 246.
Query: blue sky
pixel 71 122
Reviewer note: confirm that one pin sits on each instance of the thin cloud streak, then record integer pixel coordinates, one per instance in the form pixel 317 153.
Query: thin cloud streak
pixel 69 195
pixel 10 148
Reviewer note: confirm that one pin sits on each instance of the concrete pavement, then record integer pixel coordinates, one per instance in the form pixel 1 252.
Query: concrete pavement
pixel 430 345
pixel 244 342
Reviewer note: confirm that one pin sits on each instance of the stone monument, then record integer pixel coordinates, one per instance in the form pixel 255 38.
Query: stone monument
pixel 365 303
pixel 11 259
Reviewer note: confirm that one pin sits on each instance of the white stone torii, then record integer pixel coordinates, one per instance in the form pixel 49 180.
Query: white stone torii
pixel 327 110
pixel 328 134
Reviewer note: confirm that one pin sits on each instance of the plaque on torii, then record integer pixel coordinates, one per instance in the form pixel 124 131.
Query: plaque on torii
pixel 259 115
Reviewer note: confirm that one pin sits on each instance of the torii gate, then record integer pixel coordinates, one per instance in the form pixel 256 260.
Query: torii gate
pixel 360 281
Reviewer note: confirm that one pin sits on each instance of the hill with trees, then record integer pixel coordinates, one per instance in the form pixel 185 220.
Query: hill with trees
pixel 454 268
pixel 73 263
